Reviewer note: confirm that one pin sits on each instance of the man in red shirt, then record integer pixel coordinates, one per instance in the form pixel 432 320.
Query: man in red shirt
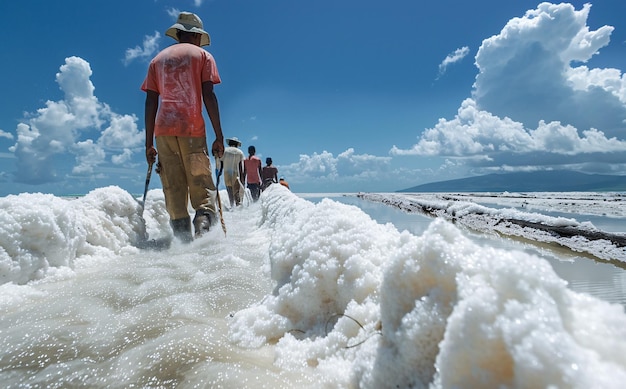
pixel 180 79
pixel 252 173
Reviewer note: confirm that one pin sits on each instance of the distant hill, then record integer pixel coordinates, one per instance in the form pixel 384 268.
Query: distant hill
pixel 544 181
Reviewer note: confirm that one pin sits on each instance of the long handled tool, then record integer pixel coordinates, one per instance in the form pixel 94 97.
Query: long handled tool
pixel 217 190
pixel 145 242
pixel 244 193
pixel 143 202
pixel 145 190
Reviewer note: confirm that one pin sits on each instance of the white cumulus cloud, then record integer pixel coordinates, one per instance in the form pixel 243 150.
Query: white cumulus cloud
pixel 485 139
pixel 528 72
pixel 534 104
pixel 66 135
pixel 146 51
pixel 122 158
pixel 88 156
pixel 4 134
pixel 346 167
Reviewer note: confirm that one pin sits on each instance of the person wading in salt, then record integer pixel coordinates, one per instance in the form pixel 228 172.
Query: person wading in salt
pixel 233 169
pixel 180 79
pixel 252 173
pixel 269 173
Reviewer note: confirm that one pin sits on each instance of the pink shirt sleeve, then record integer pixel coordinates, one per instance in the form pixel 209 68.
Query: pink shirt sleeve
pixel 209 70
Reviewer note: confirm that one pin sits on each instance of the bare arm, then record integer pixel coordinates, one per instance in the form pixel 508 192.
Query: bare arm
pixel 212 108
pixel 152 106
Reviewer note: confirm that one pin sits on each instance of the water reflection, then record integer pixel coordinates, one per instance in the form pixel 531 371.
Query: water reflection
pixel 602 280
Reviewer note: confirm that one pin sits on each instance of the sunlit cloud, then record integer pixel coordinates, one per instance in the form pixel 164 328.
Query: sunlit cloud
pixel 88 157
pixel 121 132
pixel 346 166
pixel 146 51
pixel 475 132
pixel 122 158
pixel 533 104
pixel 67 136
pixel 4 134
pixel 452 58
pixel 173 13
pixel 530 72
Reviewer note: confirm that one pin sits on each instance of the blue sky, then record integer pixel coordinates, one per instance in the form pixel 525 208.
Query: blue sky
pixel 344 95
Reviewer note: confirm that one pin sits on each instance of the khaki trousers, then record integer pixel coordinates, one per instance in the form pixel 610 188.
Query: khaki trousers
pixel 185 175
pixel 233 188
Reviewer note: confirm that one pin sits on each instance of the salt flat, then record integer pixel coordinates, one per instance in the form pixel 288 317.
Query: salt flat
pixel 524 215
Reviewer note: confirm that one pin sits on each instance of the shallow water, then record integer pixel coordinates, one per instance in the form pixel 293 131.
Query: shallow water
pixel 583 274
pixel 604 223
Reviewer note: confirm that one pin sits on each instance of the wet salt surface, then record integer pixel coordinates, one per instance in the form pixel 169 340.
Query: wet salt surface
pixel 583 274
pixel 609 204
pixel 464 210
pixel 297 294
pixel 605 223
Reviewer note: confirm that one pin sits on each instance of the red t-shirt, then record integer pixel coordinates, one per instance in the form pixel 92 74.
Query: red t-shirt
pixel 177 74
pixel 252 166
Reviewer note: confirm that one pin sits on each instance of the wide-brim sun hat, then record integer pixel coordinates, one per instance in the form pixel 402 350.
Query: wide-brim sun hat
pixel 233 139
pixel 189 22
